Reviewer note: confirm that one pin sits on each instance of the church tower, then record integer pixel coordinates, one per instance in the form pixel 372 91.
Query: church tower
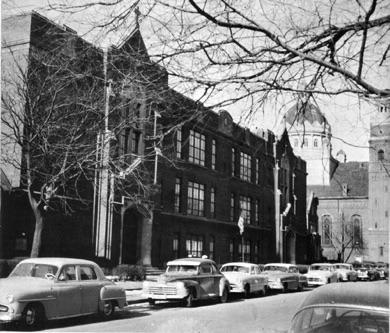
pixel 310 136
pixel 379 185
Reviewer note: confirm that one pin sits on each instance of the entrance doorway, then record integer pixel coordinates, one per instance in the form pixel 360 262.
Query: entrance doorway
pixel 131 235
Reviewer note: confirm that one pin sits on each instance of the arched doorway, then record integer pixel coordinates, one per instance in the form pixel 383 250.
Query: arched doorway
pixel 132 229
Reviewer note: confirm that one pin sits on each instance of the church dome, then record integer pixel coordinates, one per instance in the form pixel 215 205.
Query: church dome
pixel 305 112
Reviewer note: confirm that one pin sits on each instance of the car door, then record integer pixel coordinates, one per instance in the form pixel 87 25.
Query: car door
pixel 207 283
pixel 90 289
pixel 69 292
pixel 255 278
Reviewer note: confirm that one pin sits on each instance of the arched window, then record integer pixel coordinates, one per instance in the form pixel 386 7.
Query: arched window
pixel 326 229
pixel 381 155
pixel 354 230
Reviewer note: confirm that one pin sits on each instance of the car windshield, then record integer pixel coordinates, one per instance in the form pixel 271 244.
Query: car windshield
pixel 185 269
pixel 319 268
pixel 334 319
pixel 235 268
pixel 33 270
pixel 275 268
pixel 342 266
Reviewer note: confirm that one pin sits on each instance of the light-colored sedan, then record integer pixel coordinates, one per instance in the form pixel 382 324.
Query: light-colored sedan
pixel 346 272
pixel 245 278
pixel 284 277
pixel 188 279
pixel 320 274
pixel 40 289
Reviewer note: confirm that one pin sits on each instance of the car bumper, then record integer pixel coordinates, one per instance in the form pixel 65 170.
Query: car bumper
pixel 236 289
pixel 275 285
pixel 315 282
pixel 6 317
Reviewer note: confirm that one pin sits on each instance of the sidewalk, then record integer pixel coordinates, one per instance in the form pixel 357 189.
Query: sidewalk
pixel 133 291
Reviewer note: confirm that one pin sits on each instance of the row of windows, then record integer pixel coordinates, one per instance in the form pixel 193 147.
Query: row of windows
pixel 197 155
pixel 196 203
pixel 306 143
pixel 195 247
pixel 347 232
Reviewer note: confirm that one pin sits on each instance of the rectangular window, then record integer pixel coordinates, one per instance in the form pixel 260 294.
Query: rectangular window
pixel 195 200
pixel 231 250
pixel 257 171
pixel 257 215
pixel 245 204
pixel 87 273
pixel 197 148
pixel 381 251
pixel 256 253
pixel 211 248
pixel 245 166
pixel 178 195
pixel 213 154
pixel 212 203
pixel 232 207
pixel 233 162
pixel 175 246
pixel 194 245
pixel 135 139
pixel 178 143
pixel 245 252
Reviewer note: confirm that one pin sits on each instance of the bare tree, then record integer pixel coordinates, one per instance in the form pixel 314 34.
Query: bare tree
pixel 261 49
pixel 346 237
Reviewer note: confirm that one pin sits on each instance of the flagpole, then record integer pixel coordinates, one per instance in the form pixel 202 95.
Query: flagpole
pixel 242 247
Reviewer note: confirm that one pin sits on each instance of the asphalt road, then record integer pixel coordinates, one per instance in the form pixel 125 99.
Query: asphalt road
pixel 270 314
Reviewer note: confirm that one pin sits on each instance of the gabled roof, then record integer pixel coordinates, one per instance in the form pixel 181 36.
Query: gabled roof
pixel 352 174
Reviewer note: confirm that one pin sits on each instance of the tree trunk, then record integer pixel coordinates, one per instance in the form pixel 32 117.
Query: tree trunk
pixel 37 240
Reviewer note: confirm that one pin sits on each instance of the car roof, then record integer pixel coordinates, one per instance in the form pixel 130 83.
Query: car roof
pixel 238 263
pixel 190 261
pixel 59 261
pixel 373 295
pixel 280 264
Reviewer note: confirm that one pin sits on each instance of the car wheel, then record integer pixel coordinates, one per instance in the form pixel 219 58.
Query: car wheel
pixel 223 298
pixel 190 299
pixel 247 291
pixel 264 292
pixel 151 301
pixel 285 288
pixel 108 310
pixel 33 316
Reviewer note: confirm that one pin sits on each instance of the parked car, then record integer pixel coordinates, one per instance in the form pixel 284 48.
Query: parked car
pixel 351 307
pixel 284 277
pixel 346 272
pixel 41 289
pixel 188 279
pixel 383 270
pixel 245 278
pixel 320 274
pixel 366 271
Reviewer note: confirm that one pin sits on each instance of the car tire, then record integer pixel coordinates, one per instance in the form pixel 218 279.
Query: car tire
pixel 247 291
pixel 223 298
pixel 151 301
pixel 285 288
pixel 190 299
pixel 264 292
pixel 33 316
pixel 108 310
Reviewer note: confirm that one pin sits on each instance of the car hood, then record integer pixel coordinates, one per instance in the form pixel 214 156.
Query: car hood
pixel 318 273
pixel 19 286
pixel 275 274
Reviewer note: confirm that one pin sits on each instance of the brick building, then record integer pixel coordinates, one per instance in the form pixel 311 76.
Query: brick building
pixel 200 173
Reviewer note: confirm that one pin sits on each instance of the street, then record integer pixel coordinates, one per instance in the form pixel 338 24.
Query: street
pixel 272 313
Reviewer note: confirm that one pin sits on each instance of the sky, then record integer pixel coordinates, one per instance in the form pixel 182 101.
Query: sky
pixel 348 118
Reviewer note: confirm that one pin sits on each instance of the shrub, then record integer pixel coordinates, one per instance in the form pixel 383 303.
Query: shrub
pixel 129 272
